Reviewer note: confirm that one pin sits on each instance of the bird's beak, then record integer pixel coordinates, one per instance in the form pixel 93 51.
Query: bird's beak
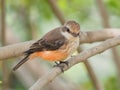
pixel 74 34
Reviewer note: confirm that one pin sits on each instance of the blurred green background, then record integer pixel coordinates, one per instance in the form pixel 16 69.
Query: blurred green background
pixel 31 19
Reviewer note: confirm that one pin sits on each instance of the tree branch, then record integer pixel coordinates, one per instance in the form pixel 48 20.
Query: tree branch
pixel 85 37
pixel 48 77
pixel 14 50
pixel 98 35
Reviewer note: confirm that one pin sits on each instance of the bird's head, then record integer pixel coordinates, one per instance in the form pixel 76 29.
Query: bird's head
pixel 72 27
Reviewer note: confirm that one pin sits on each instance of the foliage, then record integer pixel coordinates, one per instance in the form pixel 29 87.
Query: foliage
pixel 111 83
pixel 114 6
pixel 77 9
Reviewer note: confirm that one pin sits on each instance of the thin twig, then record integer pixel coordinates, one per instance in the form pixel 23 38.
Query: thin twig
pixel 5 83
pixel 103 13
pixel 93 77
pixel 84 55
pixel 95 80
pixel 3 22
pixel 56 11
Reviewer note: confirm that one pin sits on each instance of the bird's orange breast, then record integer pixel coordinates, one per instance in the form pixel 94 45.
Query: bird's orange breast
pixel 50 55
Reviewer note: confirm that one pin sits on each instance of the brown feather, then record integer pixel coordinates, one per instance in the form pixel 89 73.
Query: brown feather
pixel 53 40
pixel 21 62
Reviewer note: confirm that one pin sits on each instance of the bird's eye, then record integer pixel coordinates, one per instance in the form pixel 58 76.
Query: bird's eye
pixel 68 30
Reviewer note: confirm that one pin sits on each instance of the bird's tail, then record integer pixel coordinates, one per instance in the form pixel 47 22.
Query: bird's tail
pixel 21 62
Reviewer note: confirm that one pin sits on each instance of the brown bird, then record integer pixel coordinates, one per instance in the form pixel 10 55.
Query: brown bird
pixel 57 45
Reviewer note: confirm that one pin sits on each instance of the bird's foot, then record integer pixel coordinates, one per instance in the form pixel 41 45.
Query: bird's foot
pixel 64 62
pixel 61 65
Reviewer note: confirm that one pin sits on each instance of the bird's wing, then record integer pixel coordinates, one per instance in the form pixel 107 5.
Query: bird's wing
pixel 51 41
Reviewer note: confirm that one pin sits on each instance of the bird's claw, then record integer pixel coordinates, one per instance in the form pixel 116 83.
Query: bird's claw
pixel 61 65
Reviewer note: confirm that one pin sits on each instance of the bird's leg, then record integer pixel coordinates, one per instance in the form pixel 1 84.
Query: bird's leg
pixel 61 64
pixel 65 62
pixel 56 63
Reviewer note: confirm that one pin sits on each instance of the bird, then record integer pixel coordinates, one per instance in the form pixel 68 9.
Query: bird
pixel 57 45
